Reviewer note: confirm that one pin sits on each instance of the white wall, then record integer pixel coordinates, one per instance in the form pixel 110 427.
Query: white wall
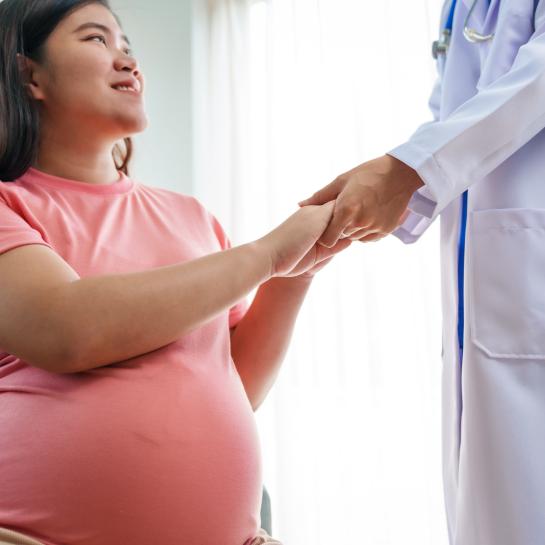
pixel 160 34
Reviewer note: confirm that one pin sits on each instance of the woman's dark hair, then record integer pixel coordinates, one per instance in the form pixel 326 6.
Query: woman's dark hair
pixel 25 26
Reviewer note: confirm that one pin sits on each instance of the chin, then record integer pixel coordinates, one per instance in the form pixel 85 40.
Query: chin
pixel 131 126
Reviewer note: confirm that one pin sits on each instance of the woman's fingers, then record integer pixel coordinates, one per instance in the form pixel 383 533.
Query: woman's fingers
pixel 324 252
pixel 263 538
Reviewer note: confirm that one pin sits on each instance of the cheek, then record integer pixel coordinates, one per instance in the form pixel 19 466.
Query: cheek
pixel 81 76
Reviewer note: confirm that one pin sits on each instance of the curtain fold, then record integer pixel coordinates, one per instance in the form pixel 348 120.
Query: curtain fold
pixel 287 95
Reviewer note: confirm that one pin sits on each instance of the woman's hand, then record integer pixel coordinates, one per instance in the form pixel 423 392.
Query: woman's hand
pixel 263 538
pixel 317 258
pixel 292 247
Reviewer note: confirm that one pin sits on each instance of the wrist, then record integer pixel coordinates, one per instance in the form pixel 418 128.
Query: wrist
pixel 261 259
pixel 408 177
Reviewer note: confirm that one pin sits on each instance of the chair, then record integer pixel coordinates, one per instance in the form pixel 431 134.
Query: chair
pixel 266 515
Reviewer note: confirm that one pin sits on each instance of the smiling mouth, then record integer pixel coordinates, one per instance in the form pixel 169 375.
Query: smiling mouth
pixel 126 89
pixel 129 87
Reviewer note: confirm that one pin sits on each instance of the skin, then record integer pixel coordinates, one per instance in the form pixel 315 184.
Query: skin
pixel 73 89
pixel 370 200
pixel 96 321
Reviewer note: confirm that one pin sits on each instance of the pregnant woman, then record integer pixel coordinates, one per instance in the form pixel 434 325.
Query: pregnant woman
pixel 130 364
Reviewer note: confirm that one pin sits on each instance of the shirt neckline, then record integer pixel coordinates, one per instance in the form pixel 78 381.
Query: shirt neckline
pixel 124 184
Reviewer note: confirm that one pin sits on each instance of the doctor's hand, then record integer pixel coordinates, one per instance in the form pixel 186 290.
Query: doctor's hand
pixel 371 200
pixel 292 247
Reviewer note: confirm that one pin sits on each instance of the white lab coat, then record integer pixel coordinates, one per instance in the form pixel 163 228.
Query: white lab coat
pixel 488 136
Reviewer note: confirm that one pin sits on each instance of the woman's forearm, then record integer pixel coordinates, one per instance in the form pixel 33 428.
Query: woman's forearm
pixel 260 340
pixel 116 317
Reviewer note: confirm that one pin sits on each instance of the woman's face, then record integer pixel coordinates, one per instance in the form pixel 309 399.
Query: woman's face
pixel 77 83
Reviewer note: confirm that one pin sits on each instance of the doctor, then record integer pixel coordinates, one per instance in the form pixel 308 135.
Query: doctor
pixel 480 166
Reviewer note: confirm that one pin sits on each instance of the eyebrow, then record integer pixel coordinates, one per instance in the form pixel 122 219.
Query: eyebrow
pixel 100 26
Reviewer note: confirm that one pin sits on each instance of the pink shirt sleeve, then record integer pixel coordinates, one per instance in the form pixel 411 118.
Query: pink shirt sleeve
pixel 239 310
pixel 15 231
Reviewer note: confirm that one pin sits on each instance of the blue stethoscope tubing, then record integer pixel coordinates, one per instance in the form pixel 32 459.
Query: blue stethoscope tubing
pixel 450 20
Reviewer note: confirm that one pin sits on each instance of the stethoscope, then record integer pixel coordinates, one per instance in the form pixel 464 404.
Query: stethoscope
pixel 440 47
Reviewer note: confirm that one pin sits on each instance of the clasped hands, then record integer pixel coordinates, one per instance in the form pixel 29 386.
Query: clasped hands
pixel 366 203
pixel 370 200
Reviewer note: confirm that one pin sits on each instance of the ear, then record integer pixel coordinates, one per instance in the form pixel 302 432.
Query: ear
pixel 27 68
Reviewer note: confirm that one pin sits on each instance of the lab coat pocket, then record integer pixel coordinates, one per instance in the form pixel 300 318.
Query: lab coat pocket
pixel 506 284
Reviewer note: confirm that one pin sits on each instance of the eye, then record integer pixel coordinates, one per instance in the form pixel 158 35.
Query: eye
pixel 100 37
pixel 127 51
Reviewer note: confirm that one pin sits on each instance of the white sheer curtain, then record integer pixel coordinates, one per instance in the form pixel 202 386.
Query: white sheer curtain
pixel 289 94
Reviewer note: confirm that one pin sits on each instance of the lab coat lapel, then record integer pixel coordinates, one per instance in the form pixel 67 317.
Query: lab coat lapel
pixel 479 13
pixel 513 24
pixel 491 18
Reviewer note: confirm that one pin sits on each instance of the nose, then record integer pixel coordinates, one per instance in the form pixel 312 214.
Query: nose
pixel 127 63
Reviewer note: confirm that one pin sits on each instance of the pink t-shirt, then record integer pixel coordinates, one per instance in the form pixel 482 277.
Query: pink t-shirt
pixel 160 449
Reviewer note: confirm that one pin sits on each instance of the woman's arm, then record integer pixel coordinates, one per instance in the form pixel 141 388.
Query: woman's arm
pixel 55 320
pixel 261 339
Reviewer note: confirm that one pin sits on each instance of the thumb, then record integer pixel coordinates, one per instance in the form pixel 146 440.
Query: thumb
pixel 326 194
pixel 333 233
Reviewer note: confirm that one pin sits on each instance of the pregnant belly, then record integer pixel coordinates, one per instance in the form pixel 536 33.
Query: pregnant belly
pixel 131 457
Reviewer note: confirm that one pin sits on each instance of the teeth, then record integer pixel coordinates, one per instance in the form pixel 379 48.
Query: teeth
pixel 124 88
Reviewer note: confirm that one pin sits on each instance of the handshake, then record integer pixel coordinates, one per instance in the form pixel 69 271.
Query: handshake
pixel 365 204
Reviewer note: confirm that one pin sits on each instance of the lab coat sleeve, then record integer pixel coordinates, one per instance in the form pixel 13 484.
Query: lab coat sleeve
pixel 452 154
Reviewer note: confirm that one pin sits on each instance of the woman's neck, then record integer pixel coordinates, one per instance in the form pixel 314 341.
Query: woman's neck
pixel 81 159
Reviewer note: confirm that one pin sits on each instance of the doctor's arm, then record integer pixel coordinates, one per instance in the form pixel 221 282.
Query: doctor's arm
pixel 443 158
